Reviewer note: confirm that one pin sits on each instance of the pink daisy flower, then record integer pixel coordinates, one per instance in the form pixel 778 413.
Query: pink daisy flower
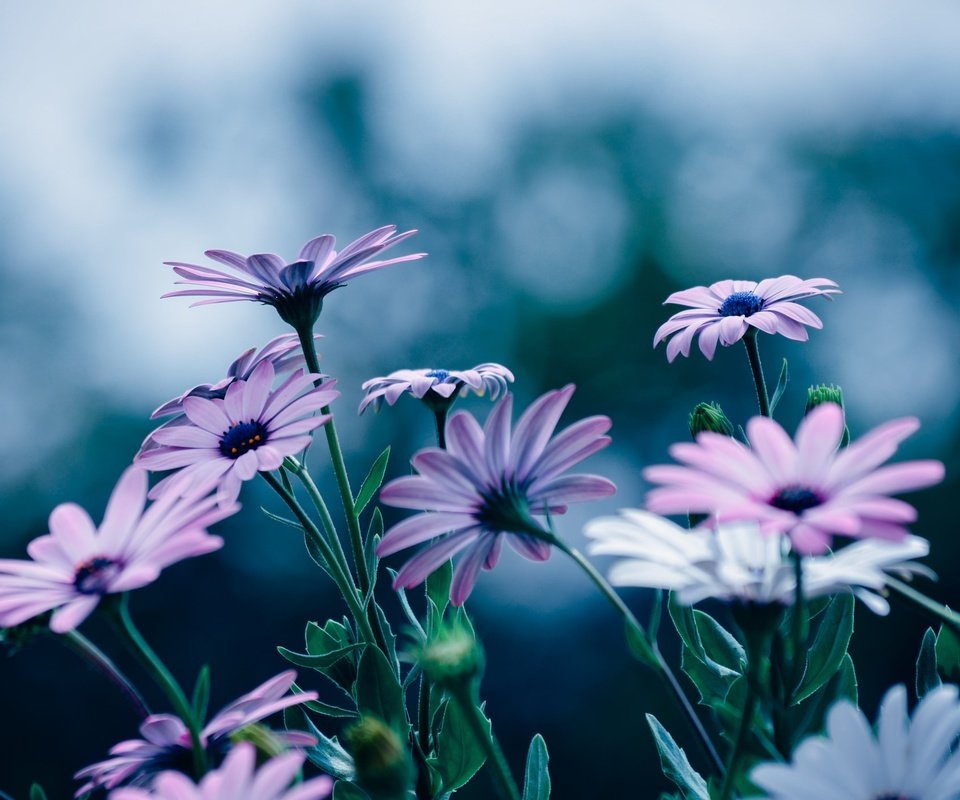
pixel 807 488
pixel 436 386
pixel 77 563
pixel 724 311
pixel 166 743
pixel 296 289
pixel 237 779
pixel 229 440
pixel 490 485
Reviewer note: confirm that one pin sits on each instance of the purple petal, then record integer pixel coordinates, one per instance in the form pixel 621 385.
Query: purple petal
pixel 466 571
pixel 535 428
pixel 416 570
pixel 421 528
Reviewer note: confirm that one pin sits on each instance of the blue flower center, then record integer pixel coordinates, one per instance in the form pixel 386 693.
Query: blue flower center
pixel 741 304
pixel 439 374
pixel 242 437
pixel 94 575
pixel 796 499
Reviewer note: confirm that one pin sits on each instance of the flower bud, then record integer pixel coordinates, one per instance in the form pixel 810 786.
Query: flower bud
pixel 383 766
pixel 827 393
pixel 709 417
pixel 261 737
pixel 453 657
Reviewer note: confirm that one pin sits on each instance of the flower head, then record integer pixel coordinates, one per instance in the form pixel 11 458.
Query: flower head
pixel 226 441
pixel 166 743
pixel 296 289
pixel 739 563
pixel 77 563
pixel 237 779
pixel 906 759
pixel 805 488
pixel 489 485
pixel 724 311
pixel 437 387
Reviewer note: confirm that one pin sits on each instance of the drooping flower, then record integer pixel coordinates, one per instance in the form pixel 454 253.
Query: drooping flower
pixel 296 289
pixel 906 759
pixel 807 488
pixel 77 563
pixel 739 563
pixel 237 779
pixel 437 387
pixel 492 484
pixel 228 440
pixel 724 311
pixel 166 743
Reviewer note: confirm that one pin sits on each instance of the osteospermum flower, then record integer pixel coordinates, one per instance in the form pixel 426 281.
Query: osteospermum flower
pixel 739 563
pixel 806 488
pixel 296 289
pixel 237 779
pixel 437 387
pixel 724 311
pixel 490 485
pixel 228 440
pixel 77 563
pixel 906 759
pixel 166 743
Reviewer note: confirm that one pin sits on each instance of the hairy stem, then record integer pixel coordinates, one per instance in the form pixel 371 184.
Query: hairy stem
pixel 753 354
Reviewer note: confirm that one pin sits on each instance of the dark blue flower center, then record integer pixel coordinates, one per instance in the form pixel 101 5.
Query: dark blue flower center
pixel 796 499
pixel 505 509
pixel 741 304
pixel 242 437
pixel 93 576
pixel 439 374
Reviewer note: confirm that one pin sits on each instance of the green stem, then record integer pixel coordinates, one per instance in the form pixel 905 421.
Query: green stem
pixel 664 668
pixel 483 731
pixel 164 678
pixel 799 628
pixel 753 354
pixel 440 418
pixel 743 733
pixel 923 602
pixel 87 650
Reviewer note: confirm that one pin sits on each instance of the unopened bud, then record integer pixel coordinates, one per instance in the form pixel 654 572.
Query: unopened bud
pixel 827 393
pixel 380 757
pixel 709 417
pixel 452 657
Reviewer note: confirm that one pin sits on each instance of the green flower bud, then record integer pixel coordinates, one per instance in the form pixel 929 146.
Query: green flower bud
pixel 453 657
pixel 261 737
pixel 383 765
pixel 827 393
pixel 709 417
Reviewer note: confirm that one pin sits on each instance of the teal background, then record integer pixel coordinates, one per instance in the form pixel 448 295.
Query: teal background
pixel 567 166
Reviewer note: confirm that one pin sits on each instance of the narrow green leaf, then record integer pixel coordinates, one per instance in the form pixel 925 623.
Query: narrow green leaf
pixel 809 717
pixel 640 647
pixel 829 645
pixel 318 662
pixel 37 793
pixel 536 779
pixel 348 791
pixel 438 585
pixel 460 755
pixel 201 694
pixel 327 754
pixel 927 677
pixel 372 482
pixel 315 553
pixel 326 709
pixel 782 382
pixel 378 691
pixel 948 653
pixel 674 763
pixel 283 520
pixel 656 614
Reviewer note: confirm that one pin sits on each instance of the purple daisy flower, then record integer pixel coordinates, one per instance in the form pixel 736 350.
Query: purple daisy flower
pixel 237 779
pixel 490 484
pixel 725 311
pixel 296 289
pixel 807 488
pixel 436 386
pixel 166 743
pixel 229 440
pixel 77 563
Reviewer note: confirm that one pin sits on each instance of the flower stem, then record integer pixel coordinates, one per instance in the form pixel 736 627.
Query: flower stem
pixel 753 354
pixel 483 731
pixel 799 628
pixel 664 668
pixel 87 650
pixel 920 600
pixel 164 678
pixel 743 732
pixel 440 417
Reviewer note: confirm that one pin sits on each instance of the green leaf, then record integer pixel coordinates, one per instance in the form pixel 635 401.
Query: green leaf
pixel 640 647
pixel 782 382
pixel 372 482
pixel 712 678
pixel 37 793
pixel 201 694
pixel 948 653
pixel 656 614
pixel 927 677
pixel 374 534
pixel 829 645
pixel 438 585
pixel 809 717
pixel 327 753
pixel 326 709
pixel 319 662
pixel 536 779
pixel 378 691
pixel 348 791
pixel 460 755
pixel 674 763
pixel 315 553
pixel 320 641
pixel 283 520
pixel 719 645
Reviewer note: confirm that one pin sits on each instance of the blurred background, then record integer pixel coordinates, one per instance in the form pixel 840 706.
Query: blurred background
pixel 567 166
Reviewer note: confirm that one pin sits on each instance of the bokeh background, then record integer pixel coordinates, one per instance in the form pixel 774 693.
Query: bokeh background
pixel 567 165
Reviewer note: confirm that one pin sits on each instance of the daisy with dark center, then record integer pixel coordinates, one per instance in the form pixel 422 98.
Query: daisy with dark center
pixel 167 745
pixel 295 289
pixel 226 441
pixel 805 488
pixel 77 563
pixel 726 311
pixel 438 388
pixel 491 485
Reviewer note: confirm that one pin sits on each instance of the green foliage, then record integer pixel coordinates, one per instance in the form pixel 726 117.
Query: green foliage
pixel 459 753
pixel 37 793
pixel 829 646
pixel 948 653
pixel 712 658
pixel 927 676
pixel 201 694
pixel 328 754
pixel 377 690
pixel 343 790
pixel 782 382
pixel 438 585
pixel 674 763
pixel 536 779
pixel 372 482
